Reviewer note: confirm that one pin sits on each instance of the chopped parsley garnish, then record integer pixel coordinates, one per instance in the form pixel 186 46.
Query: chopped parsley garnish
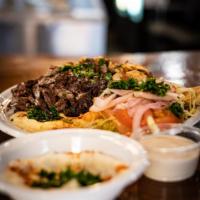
pixel 102 61
pixel 79 70
pixel 130 84
pixel 65 68
pixel 133 83
pixel 176 109
pixel 150 85
pixel 52 179
pixel 42 116
pixel 123 85
pixel 88 68
pixel 108 76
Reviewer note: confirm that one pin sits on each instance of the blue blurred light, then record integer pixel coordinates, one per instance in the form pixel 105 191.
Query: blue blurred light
pixel 132 8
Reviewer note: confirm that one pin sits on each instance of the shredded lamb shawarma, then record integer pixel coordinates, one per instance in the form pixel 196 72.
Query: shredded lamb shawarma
pixel 68 93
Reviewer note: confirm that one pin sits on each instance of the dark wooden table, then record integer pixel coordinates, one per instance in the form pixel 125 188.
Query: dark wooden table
pixel 180 67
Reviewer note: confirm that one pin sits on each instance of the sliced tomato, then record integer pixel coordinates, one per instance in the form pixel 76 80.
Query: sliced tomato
pixel 124 130
pixel 162 116
pixel 125 121
pixel 123 117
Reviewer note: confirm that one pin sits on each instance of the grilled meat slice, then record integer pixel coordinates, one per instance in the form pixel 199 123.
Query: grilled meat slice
pixel 66 90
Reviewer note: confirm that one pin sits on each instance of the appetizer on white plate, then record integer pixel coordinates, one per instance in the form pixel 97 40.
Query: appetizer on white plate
pixel 70 164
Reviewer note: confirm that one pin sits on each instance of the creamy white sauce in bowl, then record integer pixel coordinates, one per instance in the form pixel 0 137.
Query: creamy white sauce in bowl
pixel 172 157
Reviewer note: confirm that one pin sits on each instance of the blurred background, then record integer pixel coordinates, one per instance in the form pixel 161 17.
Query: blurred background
pixel 97 27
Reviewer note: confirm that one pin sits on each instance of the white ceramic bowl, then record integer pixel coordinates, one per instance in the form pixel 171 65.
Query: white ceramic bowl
pixel 74 140
pixel 172 163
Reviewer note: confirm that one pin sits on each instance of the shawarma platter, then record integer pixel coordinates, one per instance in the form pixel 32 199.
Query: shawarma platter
pixel 99 93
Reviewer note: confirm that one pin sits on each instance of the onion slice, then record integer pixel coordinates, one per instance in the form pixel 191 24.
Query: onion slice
pixel 121 92
pixel 141 109
pixel 101 103
pixel 146 95
pixel 132 110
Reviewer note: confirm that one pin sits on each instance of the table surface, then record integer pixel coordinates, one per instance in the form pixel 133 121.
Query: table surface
pixel 180 67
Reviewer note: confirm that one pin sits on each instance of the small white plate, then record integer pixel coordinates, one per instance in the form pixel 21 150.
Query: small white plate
pixel 7 127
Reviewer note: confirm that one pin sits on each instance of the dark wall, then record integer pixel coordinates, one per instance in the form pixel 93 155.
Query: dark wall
pixel 176 27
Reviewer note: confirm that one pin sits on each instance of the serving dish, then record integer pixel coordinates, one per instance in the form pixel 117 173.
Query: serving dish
pixel 7 127
pixel 96 93
pixel 75 140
